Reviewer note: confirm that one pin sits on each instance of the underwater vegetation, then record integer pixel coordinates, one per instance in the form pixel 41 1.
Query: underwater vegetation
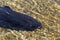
pixel 17 21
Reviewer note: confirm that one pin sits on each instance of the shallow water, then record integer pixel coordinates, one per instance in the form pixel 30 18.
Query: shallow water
pixel 45 11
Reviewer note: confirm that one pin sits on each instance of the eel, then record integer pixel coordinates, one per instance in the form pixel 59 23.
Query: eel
pixel 17 21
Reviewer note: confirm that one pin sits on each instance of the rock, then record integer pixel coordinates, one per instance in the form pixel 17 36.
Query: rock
pixel 17 21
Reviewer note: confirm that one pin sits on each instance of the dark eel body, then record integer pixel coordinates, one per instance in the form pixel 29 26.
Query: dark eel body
pixel 17 21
